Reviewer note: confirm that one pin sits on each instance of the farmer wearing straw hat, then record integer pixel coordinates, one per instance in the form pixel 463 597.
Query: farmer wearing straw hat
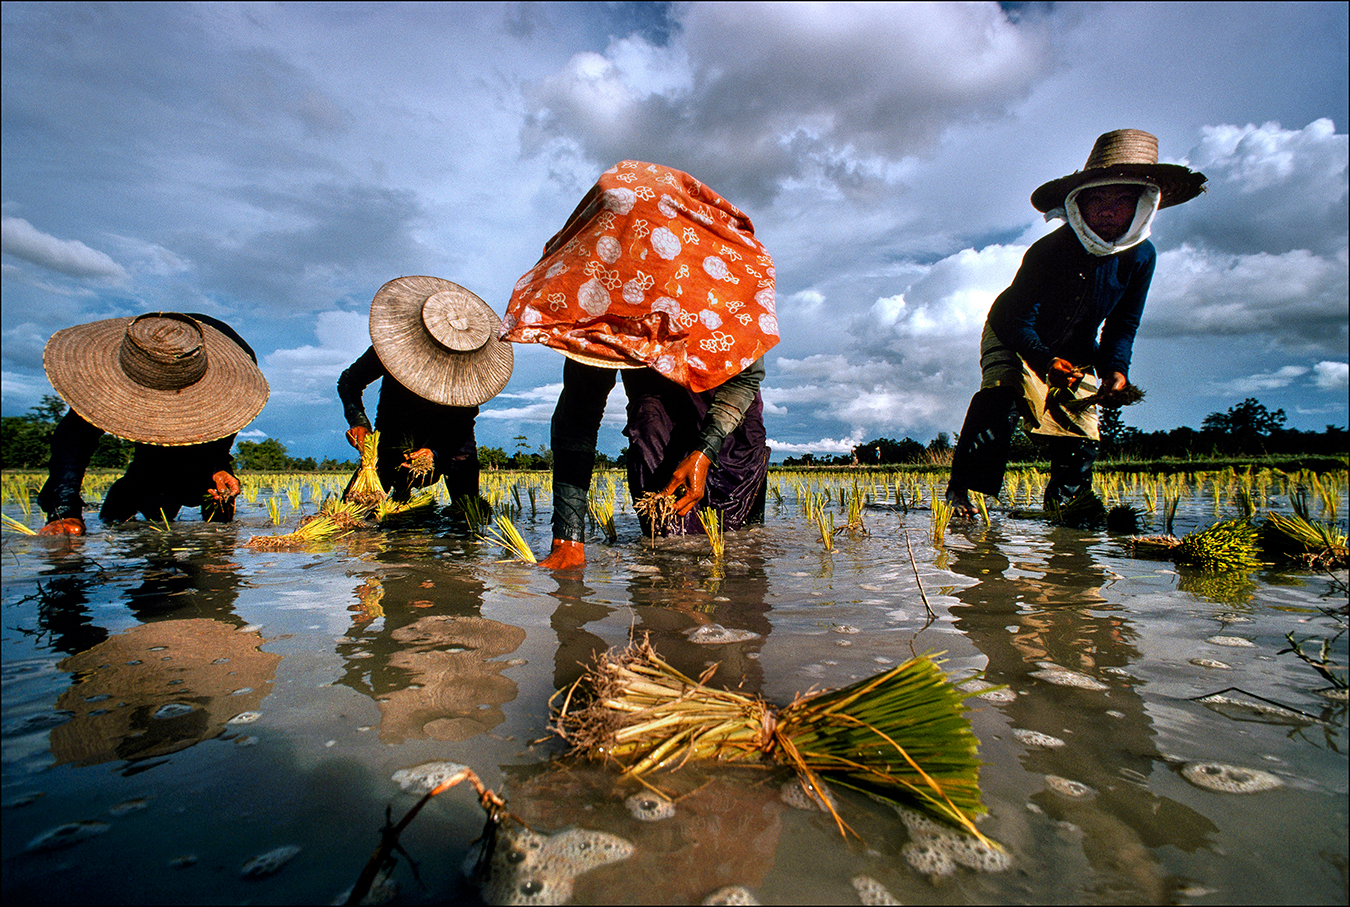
pixel 179 386
pixel 1040 340
pixel 436 354
pixel 656 276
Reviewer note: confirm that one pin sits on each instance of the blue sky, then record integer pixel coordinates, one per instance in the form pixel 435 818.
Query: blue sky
pixel 274 164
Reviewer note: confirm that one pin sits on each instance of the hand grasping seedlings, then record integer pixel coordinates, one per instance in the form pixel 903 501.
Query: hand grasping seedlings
pixel 419 463
pixel 659 510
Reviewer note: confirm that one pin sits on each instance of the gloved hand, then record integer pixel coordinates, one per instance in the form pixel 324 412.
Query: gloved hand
pixel 692 473
pixel 356 436
pixel 70 525
pixel 565 555
pixel 1062 373
pixel 227 487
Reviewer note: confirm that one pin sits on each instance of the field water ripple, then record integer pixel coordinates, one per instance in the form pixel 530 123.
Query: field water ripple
pixel 191 720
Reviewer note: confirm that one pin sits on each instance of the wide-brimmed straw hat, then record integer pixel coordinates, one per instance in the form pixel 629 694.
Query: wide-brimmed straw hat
pixel 440 341
pixel 159 378
pixel 1125 153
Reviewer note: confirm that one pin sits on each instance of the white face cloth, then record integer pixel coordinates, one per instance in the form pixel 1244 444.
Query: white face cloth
pixel 1139 229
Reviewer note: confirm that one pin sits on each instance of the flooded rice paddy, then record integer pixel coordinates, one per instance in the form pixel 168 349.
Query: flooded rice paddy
pixel 188 719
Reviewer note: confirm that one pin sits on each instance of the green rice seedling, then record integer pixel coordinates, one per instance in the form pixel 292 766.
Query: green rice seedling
pixel 825 522
pixel 1227 545
pixel 1083 511
pixel 365 487
pixel 901 736
pixel 474 509
pixel 419 503
pixel 602 512
pixel 1150 496
pixel 940 517
pixel 981 505
pixel 293 495
pixel 1124 519
pixel 1171 501
pixel 21 528
pixel 311 530
pixel 509 538
pixel 1306 542
pixel 273 511
pixel 712 526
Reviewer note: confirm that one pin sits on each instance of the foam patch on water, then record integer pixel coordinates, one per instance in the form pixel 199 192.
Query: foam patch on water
pixel 265 864
pixel 1036 738
pixel 1211 663
pixel 1234 642
pixel 809 798
pixel 872 893
pixel 988 692
pixel 716 634
pixel 1065 787
pixel 1229 779
pixel 936 849
pixel 649 807
pixel 731 895
pixel 1053 673
pixel 426 777
pixel 67 835
pixel 530 868
pixel 245 718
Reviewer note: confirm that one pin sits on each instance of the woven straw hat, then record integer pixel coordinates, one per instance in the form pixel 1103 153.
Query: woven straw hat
pixel 440 341
pixel 1130 153
pixel 159 378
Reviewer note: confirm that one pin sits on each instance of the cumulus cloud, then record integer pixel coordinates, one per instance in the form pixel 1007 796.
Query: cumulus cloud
pixel 1271 190
pixel 65 256
pixel 748 95
pixel 1332 376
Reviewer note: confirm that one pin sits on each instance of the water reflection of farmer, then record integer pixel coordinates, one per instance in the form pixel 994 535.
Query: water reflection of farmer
pixel 436 355
pixel 1025 615
pixel 1091 274
pixel 167 683
pixel 659 276
pixel 179 386
pixel 422 651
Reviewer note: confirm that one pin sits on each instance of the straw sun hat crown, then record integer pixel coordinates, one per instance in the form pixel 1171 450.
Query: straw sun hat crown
pixel 440 341
pixel 160 378
pixel 1130 153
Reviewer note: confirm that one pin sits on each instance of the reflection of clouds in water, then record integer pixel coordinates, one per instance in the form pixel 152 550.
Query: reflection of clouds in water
pixel 455 690
pixel 159 688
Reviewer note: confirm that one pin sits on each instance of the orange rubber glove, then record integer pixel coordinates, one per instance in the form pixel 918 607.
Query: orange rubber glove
pixel 71 525
pixel 692 474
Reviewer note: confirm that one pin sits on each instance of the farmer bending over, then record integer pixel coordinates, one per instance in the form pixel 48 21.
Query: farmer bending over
pixel 1042 332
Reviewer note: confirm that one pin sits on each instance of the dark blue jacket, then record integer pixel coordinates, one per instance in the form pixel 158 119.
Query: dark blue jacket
pixel 1063 294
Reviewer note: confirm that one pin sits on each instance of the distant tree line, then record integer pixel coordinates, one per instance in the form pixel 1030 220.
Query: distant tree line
pixel 1247 429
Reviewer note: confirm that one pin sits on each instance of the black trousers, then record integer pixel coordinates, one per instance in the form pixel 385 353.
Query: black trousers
pixel 981 455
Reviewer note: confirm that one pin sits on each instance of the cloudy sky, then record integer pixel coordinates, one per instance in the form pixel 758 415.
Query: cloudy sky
pixel 274 164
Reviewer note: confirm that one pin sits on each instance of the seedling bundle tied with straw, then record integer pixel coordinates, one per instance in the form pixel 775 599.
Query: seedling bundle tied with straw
pixel 901 736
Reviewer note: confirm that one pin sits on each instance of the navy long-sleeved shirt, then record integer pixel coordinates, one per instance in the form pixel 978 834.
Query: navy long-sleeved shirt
pixel 157 477
pixel 408 421
pixel 1063 294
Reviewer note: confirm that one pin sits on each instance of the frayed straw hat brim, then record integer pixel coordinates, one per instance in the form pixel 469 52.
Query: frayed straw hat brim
pixel 598 362
pixel 83 365
pixel 424 365
pixel 1130 154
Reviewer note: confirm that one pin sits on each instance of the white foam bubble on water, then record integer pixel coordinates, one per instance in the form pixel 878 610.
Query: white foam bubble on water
pixel 426 777
pixel 1229 779
pixel 731 895
pixel 265 864
pixel 872 893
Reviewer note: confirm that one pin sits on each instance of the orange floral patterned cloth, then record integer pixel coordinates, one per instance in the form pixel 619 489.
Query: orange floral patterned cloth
pixel 652 269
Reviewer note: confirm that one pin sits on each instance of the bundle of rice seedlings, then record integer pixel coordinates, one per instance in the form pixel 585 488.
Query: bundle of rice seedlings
pixel 1123 518
pixel 1083 511
pixel 940 517
pixel 312 529
pixel 981 505
pixel 346 514
pixel 1126 396
pixel 712 525
pixel 1227 545
pixel 900 736
pixel 826 523
pixel 365 487
pixel 658 510
pixel 508 536
pixel 475 510
pixel 419 503
pixel 1303 541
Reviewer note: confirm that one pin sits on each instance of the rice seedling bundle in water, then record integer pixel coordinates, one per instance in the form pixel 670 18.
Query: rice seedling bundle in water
pixel 1304 541
pixel 312 529
pixel 365 487
pixel 900 736
pixel 419 503
pixel 1227 545
pixel 658 510
pixel 508 536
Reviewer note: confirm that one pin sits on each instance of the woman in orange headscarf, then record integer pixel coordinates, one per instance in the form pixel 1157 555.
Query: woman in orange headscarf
pixel 658 276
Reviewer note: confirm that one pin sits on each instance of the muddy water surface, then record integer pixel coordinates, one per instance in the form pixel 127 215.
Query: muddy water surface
pixel 177 705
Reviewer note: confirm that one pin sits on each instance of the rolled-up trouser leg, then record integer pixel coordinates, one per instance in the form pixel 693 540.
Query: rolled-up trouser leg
pixel 981 453
pixel 1071 461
